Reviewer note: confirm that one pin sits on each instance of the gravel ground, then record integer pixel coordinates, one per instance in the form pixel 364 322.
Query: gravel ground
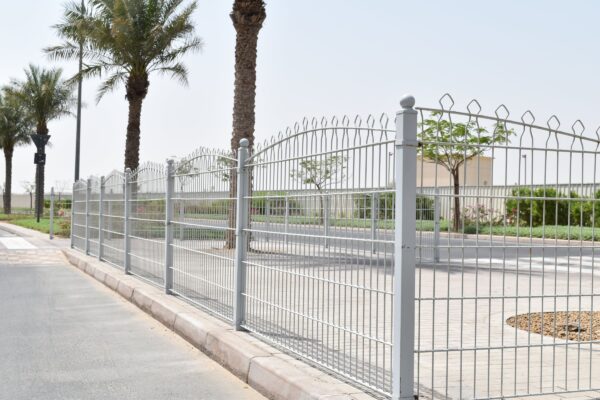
pixel 579 326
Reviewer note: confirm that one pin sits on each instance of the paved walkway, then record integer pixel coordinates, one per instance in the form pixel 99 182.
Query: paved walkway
pixel 64 336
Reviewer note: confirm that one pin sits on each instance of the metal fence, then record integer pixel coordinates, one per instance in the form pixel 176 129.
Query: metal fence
pixel 479 293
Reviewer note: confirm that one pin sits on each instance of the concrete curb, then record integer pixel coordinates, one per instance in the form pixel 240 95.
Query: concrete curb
pixel 274 374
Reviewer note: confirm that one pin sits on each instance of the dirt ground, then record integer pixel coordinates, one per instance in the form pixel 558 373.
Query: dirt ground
pixel 578 326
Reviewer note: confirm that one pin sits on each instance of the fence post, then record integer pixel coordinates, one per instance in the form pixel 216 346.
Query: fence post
pixel 126 223
pixel 287 218
pixel 181 210
pixel 170 186
pixel 110 215
pixel 73 197
pixel 101 219
pixel 436 226
pixel 326 221
pixel 239 312
pixel 88 189
pixel 267 218
pixel 404 251
pixel 51 213
pixel 374 218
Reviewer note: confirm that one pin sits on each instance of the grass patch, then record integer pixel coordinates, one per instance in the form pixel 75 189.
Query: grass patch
pixel 62 226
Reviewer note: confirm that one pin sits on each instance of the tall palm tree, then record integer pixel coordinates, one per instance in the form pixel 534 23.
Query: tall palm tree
pixel 248 17
pixel 125 41
pixel 15 128
pixel 45 96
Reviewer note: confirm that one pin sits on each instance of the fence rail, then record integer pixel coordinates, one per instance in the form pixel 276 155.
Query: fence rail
pixel 330 243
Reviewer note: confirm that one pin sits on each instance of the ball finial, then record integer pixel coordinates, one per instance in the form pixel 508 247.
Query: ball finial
pixel 408 101
pixel 244 142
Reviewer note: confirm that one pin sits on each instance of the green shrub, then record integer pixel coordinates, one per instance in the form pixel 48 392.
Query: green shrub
pixel 545 206
pixel 63 203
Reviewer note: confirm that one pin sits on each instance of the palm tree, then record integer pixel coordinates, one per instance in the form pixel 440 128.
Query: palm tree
pixel 15 128
pixel 45 96
pixel 125 41
pixel 248 17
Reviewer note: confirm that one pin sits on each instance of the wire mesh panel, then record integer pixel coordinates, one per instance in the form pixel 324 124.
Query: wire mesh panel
pixel 510 309
pixel 147 222
pixel 94 215
pixel 113 209
pixel 78 214
pixel 203 235
pixel 320 258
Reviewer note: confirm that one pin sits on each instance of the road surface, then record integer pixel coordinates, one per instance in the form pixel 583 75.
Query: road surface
pixel 65 336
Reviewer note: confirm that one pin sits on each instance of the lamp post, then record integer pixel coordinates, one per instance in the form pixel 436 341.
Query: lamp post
pixel 39 160
pixel 79 93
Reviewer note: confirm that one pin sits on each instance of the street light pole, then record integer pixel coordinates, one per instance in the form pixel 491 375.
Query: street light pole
pixel 79 93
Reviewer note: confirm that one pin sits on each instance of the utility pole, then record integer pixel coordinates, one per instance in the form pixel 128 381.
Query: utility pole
pixel 79 93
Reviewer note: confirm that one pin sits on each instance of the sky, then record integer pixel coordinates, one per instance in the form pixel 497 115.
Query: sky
pixel 324 58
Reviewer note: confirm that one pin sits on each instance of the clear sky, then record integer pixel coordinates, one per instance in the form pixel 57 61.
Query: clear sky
pixel 324 58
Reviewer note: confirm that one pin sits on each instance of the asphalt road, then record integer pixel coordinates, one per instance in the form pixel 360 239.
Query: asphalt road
pixel 453 249
pixel 64 336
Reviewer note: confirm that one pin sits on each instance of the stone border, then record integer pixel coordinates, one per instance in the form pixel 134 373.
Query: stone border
pixel 274 374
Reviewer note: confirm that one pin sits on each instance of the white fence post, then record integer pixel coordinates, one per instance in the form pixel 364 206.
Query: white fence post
pixel 170 186
pixel 436 226
pixel 126 223
pixel 101 219
pixel 87 216
pixel 267 218
pixel 181 210
pixel 51 213
pixel 287 218
pixel 326 221
pixel 110 215
pixel 243 180
pixel 73 198
pixel 404 251
pixel 374 218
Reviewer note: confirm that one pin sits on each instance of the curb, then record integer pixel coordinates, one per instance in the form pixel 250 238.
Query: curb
pixel 274 374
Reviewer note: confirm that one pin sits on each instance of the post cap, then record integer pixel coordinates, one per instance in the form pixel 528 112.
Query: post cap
pixel 244 142
pixel 407 102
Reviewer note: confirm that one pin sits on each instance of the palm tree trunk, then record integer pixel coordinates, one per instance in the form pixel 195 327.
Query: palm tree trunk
pixel 40 174
pixel 137 89
pixel 8 155
pixel 248 17
pixel 39 193
pixel 456 217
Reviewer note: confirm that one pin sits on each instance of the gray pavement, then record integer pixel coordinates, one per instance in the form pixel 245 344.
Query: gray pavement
pixel 64 336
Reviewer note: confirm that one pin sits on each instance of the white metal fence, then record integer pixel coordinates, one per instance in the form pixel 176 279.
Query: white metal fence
pixel 296 242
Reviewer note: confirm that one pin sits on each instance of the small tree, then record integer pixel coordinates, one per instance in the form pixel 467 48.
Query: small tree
pixel 320 174
pixel 29 188
pixel 452 144
pixel 61 187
